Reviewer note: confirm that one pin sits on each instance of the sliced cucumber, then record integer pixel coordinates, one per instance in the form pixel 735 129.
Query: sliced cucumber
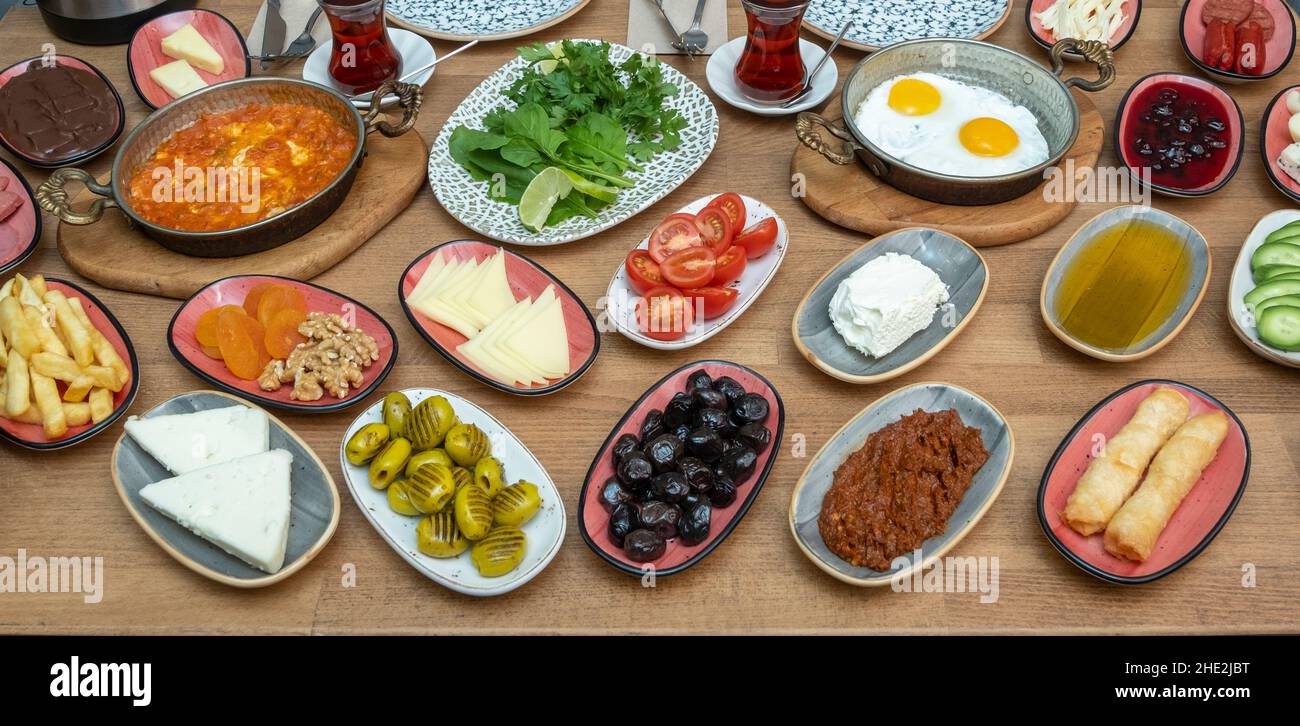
pixel 1290 229
pixel 1263 305
pixel 1275 253
pixel 1272 288
pixel 1279 327
pixel 1268 272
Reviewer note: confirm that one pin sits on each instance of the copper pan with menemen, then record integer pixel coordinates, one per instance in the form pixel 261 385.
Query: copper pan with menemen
pixel 236 168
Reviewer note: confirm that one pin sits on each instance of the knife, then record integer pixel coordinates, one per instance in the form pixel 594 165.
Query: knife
pixel 272 32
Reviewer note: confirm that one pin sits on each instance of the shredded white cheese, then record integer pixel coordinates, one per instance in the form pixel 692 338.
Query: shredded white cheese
pixel 1083 19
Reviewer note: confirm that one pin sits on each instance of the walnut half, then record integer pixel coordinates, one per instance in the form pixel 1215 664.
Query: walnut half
pixel 332 359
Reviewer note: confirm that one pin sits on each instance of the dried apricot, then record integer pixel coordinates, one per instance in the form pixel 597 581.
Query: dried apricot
pixel 205 330
pixel 280 297
pixel 254 296
pixel 239 338
pixel 211 351
pixel 282 334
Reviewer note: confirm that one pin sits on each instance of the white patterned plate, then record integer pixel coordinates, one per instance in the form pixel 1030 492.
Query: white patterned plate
pixel 467 199
pixel 879 23
pixel 470 19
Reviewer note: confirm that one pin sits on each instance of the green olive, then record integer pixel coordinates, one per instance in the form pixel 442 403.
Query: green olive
pixel 499 552
pixel 399 500
pixel 429 422
pixel 437 536
pixel 487 476
pixel 464 477
pixel 466 443
pixel 473 511
pixel 431 487
pixel 432 456
pixel 516 504
pixel 366 443
pixel 389 462
pixel 397 411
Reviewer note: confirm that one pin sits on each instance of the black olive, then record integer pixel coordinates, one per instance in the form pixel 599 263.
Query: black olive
pixel 756 436
pixel 635 471
pixel 694 527
pixel 730 444
pixel 613 494
pixel 723 492
pixel 704 444
pixel 693 500
pixel 664 451
pixel 751 408
pixel 681 432
pixel 709 398
pixel 670 486
pixel 661 518
pixel 698 474
pixel 621 521
pixel 730 388
pixel 715 419
pixel 698 380
pixel 679 410
pixel 738 464
pixel 625 443
pixel 642 545
pixel 652 425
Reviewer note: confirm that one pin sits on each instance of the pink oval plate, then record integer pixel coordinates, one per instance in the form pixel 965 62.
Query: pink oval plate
pixel 232 291
pixel 20 231
pixel 526 278
pixel 32 436
pixel 1132 13
pixel 1274 136
pixel 144 53
pixel 1277 50
pixel 46 162
pixel 593 520
pixel 1194 524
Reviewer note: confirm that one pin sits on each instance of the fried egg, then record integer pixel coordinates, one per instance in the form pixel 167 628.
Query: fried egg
pixel 946 126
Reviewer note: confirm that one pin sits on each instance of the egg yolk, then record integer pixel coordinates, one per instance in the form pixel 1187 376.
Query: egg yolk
pixel 913 97
pixel 986 136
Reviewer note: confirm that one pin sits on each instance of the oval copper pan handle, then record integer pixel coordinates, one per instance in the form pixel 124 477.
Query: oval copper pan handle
pixel 1095 51
pixel 805 128
pixel 53 197
pixel 409 95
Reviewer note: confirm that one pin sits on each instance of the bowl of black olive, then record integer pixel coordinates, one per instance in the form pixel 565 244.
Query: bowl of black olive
pixel 681 468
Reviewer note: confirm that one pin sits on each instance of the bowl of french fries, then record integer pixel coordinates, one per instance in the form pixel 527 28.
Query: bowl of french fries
pixel 67 368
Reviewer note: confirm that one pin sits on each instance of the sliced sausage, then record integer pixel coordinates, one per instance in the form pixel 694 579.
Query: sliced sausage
pixel 1232 12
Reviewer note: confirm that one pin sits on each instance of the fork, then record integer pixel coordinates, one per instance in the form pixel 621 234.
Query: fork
pixel 694 40
pixel 301 46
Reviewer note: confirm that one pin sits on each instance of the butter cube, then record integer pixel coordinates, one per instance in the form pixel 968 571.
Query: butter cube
pixel 177 78
pixel 188 45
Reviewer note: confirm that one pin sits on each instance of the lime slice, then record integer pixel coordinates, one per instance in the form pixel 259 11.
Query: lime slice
pixel 591 188
pixel 547 188
pixel 547 65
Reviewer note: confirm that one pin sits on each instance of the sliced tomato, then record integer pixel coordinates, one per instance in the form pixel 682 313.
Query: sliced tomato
pixel 717 300
pixel 664 314
pixel 715 227
pixel 689 268
pixel 729 267
pixel 758 239
pixel 733 205
pixel 642 271
pixel 676 233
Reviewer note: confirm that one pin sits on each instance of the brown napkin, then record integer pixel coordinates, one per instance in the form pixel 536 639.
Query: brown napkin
pixel 646 27
pixel 295 14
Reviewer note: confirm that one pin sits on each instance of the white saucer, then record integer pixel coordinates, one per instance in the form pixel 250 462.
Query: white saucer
pixel 413 49
pixel 722 78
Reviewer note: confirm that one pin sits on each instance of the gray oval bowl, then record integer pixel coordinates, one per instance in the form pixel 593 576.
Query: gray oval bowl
pixel 314 500
pixel 958 264
pixel 806 502
pixel 1191 299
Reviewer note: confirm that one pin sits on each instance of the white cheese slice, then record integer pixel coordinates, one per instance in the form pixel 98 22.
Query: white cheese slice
pixel 474 349
pixel 188 441
pixel 177 78
pixel 490 344
pixel 491 297
pixel 884 302
pixel 544 341
pixel 436 265
pixel 430 284
pixel 455 294
pixel 241 506
pixel 190 45
pixel 432 305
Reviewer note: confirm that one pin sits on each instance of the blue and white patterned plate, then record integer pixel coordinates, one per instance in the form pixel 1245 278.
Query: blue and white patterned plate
pixel 879 23
pixel 482 19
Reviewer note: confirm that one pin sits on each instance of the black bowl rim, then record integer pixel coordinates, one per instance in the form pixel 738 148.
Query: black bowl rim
pixel 351 400
pixel 1097 572
pixel 26 252
pixel 117 412
pixel 1029 26
pixel 85 155
pixel 715 539
pixel 493 383
pixel 1263 143
pixel 1233 75
pixel 130 67
pixel 1116 142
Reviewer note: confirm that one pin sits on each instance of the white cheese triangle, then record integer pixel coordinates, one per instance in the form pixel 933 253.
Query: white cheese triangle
pixel 241 506
pixel 188 441
pixel 491 297
pixel 543 341
pixel 427 278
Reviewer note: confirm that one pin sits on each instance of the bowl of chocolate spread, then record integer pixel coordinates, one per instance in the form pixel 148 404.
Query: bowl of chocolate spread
pixel 57 110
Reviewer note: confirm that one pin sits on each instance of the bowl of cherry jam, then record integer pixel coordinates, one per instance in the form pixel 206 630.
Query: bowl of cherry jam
pixel 1179 135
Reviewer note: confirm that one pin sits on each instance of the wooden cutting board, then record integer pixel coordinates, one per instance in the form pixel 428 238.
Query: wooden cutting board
pixel 117 256
pixel 853 197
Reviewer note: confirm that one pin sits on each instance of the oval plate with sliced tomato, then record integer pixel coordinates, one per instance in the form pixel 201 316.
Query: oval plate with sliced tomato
pixel 628 306
pixel 233 291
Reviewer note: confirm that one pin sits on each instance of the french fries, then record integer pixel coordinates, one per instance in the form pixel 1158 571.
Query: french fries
pixel 48 343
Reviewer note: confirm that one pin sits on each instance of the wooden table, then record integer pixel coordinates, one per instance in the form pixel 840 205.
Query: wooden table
pixel 63 503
